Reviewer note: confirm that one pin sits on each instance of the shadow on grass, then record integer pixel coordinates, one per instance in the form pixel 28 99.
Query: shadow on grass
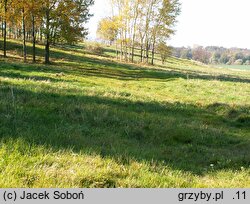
pixel 183 136
pixel 81 65
pixel 34 73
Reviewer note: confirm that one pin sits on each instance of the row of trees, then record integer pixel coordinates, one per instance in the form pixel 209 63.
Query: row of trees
pixel 48 21
pixel 214 55
pixel 139 27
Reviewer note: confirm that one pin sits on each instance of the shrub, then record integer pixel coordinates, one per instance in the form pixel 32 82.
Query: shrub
pixel 238 62
pixel 247 62
pixel 95 48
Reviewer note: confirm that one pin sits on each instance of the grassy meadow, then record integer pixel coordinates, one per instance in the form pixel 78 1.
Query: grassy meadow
pixel 90 121
pixel 235 67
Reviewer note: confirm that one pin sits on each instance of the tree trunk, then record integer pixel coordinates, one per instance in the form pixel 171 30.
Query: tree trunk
pixel 5 39
pixel 126 47
pixel 116 49
pixel 41 35
pixel 33 39
pixel 141 52
pixel 121 52
pixel 133 53
pixel 153 53
pixel 2 29
pixel 5 29
pixel 153 56
pixel 134 32
pixel 147 51
pixel 47 43
pixel 2 21
pixel 24 37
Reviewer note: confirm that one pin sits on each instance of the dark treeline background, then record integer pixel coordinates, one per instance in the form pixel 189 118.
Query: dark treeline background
pixel 214 55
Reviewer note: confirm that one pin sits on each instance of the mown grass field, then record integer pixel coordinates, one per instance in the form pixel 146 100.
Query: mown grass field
pixel 89 121
pixel 236 67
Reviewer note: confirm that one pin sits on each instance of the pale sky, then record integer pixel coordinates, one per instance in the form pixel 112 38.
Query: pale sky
pixel 203 22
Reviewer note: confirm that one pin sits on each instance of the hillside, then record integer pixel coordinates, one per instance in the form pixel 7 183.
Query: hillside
pixel 89 121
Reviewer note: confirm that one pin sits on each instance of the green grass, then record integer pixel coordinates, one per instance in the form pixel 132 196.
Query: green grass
pixel 89 121
pixel 239 67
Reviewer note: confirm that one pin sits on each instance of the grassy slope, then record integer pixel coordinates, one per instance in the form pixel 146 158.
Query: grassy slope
pixel 88 121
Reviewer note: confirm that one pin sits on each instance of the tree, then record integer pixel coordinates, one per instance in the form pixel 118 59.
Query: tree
pixel 238 62
pixel 215 59
pixel 201 55
pixel 144 23
pixel 136 14
pixel 224 59
pixel 20 8
pixel 247 62
pixel 68 24
pixel 49 8
pixel 4 7
pixel 35 10
pixel 186 53
pixel 165 18
pixel 164 51
pixel 64 21
pixel 53 20
pixel 108 29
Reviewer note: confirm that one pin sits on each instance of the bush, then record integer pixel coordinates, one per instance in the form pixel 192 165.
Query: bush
pixel 95 48
pixel 247 62
pixel 238 62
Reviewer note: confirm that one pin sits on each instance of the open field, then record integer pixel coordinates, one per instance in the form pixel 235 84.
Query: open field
pixel 89 121
pixel 236 67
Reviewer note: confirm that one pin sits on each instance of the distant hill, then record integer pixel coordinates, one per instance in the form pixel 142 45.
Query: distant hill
pixel 214 55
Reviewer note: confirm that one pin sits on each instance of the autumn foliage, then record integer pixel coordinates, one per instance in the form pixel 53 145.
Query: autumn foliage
pixel 46 21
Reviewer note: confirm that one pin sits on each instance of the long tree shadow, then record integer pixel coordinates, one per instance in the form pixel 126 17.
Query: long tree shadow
pixel 81 65
pixel 153 72
pixel 103 69
pixel 100 66
pixel 33 72
pixel 183 136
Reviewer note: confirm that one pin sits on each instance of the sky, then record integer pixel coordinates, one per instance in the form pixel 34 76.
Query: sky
pixel 202 22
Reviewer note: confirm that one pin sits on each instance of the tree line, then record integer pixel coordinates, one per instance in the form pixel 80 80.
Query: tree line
pixel 214 55
pixel 139 24
pixel 45 21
